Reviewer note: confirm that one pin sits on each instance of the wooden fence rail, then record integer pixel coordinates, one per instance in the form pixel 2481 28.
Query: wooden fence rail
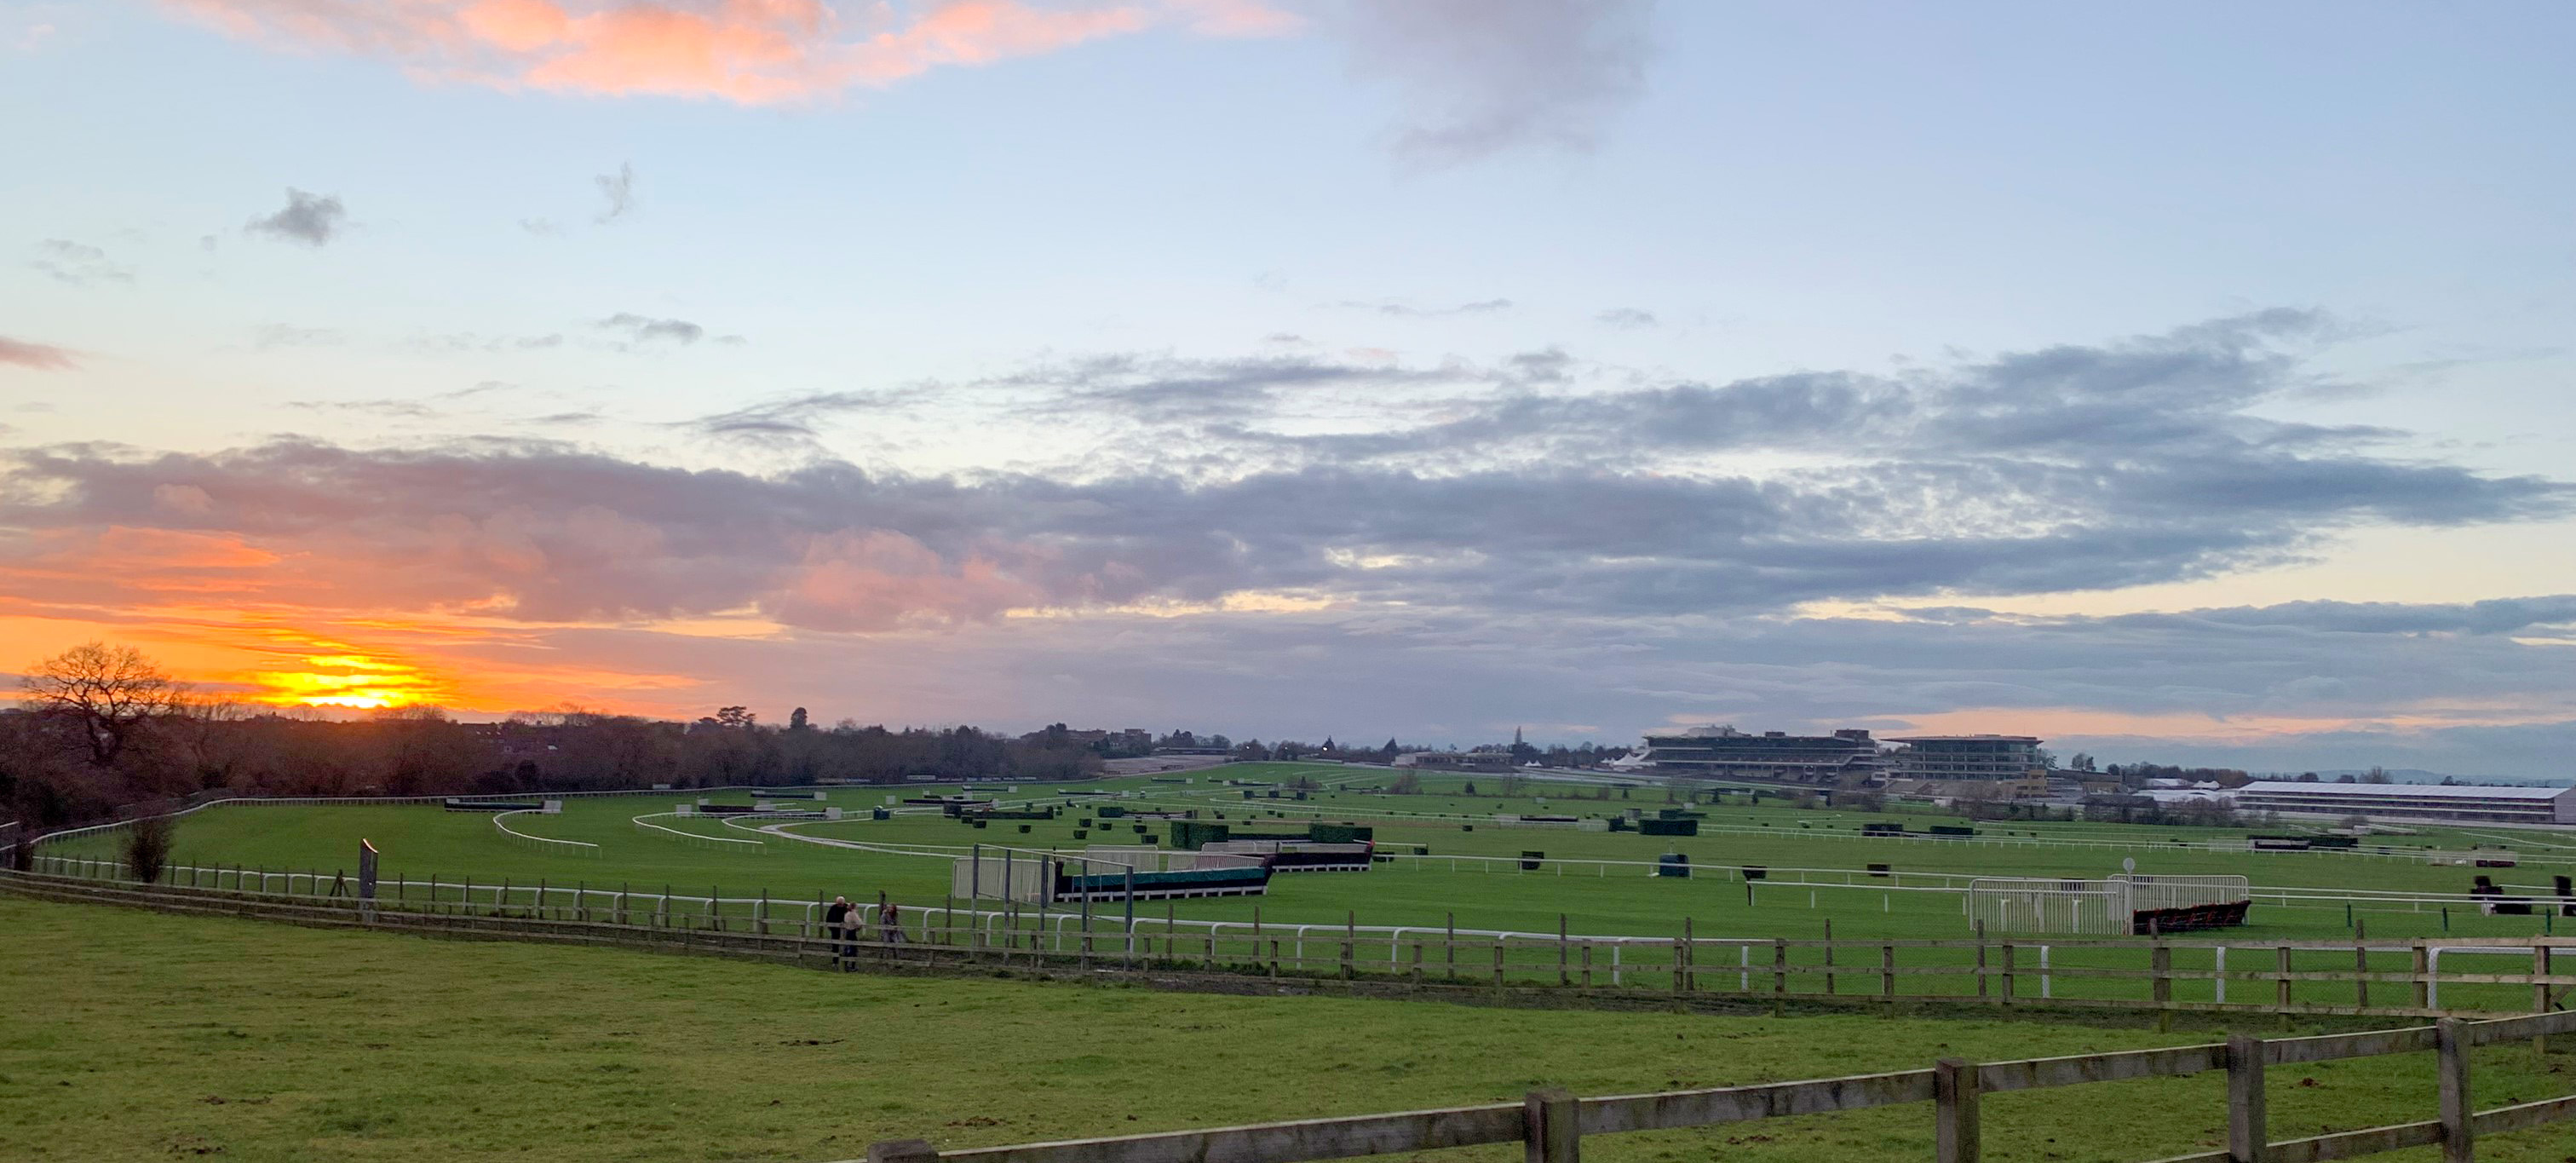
pixel 1551 1124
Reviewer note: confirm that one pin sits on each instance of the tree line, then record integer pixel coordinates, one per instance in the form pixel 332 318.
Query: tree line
pixel 103 726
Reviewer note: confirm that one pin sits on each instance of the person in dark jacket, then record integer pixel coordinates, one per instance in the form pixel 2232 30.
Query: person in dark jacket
pixel 838 921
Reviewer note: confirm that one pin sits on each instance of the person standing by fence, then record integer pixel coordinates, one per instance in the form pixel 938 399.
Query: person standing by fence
pixel 836 921
pixel 891 915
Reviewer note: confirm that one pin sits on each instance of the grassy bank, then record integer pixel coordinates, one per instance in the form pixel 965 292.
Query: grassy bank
pixel 137 1036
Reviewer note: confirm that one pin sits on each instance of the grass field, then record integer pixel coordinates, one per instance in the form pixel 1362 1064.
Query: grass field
pixel 419 841
pixel 135 1036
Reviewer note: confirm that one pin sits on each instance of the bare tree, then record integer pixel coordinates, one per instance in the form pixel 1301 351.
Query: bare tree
pixel 108 691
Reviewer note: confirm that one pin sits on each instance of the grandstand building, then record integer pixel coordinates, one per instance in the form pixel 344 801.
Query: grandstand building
pixel 2412 801
pixel 1979 766
pixel 1843 757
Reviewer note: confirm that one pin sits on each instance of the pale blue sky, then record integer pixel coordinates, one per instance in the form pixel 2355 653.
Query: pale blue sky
pixel 1080 264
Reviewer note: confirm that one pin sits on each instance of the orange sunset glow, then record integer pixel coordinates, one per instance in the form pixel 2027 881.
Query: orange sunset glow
pixel 1298 369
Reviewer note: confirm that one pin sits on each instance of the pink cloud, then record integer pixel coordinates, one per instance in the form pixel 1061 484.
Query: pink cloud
pixel 746 51
pixel 879 580
pixel 42 357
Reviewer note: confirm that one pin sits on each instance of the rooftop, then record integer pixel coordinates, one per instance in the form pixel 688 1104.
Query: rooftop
pixel 1963 739
pixel 2403 790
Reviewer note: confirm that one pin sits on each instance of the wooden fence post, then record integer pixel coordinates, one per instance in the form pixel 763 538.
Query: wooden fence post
pixel 2360 965
pixel 1555 1129
pixel 1887 976
pixel 1829 956
pixel 2160 963
pixel 2281 985
pixel 2540 998
pixel 1350 942
pixel 1981 959
pixel 2007 996
pixel 1564 955
pixel 2423 966
pixel 2451 1045
pixel 1954 1092
pixel 2248 1119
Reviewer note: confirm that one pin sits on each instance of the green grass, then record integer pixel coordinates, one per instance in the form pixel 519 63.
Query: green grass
pixel 420 841
pixel 133 1036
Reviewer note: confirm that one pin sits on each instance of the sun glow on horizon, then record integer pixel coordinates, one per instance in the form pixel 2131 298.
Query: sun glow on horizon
pixel 354 681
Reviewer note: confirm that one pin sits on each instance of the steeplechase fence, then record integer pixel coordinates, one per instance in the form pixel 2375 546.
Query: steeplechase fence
pixel 2467 977
pixel 1552 1124
pixel 2023 904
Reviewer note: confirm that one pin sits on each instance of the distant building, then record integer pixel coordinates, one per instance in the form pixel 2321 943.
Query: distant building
pixel 1771 757
pixel 2010 763
pixel 1496 761
pixel 2412 801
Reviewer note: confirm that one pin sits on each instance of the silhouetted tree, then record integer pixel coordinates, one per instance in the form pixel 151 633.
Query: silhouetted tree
pixel 107 692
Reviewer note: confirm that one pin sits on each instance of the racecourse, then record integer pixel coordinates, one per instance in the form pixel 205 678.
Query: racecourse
pixel 1591 882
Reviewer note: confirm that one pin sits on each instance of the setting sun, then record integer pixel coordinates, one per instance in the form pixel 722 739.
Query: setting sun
pixel 347 680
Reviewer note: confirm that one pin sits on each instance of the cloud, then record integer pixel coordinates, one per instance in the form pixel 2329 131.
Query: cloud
pixel 1484 76
pixel 270 336
pixel 753 52
pixel 1162 389
pixel 78 264
pixel 541 227
pixel 1628 317
pixel 465 341
pixel 619 189
pixel 1567 542
pixel 1404 311
pixel 644 329
pixel 41 357
pixel 1316 599
pixel 387 409
pixel 797 419
pixel 311 219
pixel 1557 538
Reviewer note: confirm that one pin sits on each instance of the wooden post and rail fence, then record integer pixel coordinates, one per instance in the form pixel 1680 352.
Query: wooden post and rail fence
pixel 1552 1124
pixel 2416 978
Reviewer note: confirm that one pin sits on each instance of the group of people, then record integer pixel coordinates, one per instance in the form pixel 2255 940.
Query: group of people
pixel 847 924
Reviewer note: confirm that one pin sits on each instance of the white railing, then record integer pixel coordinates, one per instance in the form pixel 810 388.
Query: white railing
pixel 545 843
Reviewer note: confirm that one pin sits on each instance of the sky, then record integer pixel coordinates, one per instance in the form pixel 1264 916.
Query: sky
pixel 2184 383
